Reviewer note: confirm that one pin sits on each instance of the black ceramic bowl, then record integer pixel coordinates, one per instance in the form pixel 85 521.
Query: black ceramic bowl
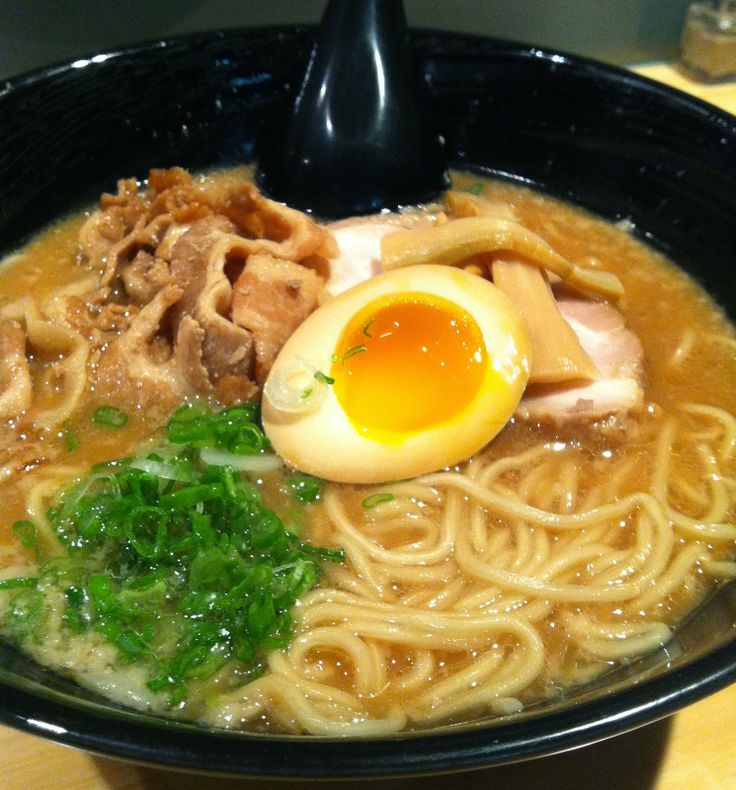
pixel 614 143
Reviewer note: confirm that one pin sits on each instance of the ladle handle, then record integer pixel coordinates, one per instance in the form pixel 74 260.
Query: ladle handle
pixel 360 136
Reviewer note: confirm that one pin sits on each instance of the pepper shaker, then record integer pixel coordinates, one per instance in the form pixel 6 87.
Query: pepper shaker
pixel 708 47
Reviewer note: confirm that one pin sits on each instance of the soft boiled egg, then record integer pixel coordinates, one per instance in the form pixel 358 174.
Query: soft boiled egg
pixel 411 371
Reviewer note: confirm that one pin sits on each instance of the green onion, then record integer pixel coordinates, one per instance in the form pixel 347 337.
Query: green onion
pixel 368 326
pixel 305 487
pixel 332 555
pixel 351 352
pixel 26 614
pixel 307 392
pixel 109 416
pixel 190 496
pixel 236 430
pixel 70 441
pixel 18 581
pixel 165 471
pixel 476 189
pixel 76 617
pixel 377 499
pixel 25 531
pixel 190 425
pixel 320 376
pixel 266 462
pixel 175 559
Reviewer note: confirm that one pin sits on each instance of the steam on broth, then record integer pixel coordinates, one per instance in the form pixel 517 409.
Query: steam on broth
pixel 570 542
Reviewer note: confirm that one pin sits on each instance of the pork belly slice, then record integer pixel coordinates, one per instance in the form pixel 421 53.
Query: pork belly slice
pixel 270 299
pixel 214 355
pixel 16 389
pixel 137 366
pixel 618 354
pixel 240 303
pixel 359 243
pixel 360 253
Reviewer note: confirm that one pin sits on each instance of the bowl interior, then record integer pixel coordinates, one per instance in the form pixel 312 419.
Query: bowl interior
pixel 614 143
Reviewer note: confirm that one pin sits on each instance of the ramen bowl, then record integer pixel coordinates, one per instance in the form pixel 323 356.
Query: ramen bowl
pixel 613 143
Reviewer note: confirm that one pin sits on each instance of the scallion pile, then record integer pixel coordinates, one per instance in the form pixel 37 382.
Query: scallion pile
pixel 175 559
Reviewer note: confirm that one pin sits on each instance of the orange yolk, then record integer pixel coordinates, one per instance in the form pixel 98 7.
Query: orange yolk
pixel 407 362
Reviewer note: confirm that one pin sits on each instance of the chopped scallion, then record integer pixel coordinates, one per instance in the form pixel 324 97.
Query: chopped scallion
pixel 25 531
pixel 377 499
pixel 110 417
pixel 174 558
pixel 351 352
pixel 305 487
pixel 235 430
pixel 18 582
pixel 265 462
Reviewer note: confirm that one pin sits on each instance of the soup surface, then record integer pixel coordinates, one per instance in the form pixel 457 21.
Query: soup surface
pixel 572 542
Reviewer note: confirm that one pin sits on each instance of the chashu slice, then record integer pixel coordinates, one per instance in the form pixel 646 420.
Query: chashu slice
pixel 618 355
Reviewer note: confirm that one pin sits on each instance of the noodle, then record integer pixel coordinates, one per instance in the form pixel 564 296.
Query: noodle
pixel 491 591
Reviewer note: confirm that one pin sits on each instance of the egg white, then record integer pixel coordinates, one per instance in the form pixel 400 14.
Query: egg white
pixel 324 442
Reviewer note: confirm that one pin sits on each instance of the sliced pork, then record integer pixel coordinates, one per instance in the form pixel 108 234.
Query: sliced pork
pixel 201 238
pixel 137 365
pixel 15 378
pixel 270 299
pixel 209 346
pixel 360 253
pixel 359 246
pixel 618 355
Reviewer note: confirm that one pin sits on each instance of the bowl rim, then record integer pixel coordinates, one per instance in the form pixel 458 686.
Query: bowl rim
pixel 110 731
pixel 155 741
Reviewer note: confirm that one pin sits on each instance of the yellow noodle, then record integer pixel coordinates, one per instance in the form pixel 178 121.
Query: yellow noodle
pixel 684 347
pixel 336 638
pixel 719 507
pixel 516 673
pixel 422 665
pixel 720 569
pixel 727 421
pixel 336 512
pixel 616 641
pixel 671 578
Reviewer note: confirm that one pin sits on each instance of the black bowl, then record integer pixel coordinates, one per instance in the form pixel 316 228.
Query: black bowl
pixel 614 143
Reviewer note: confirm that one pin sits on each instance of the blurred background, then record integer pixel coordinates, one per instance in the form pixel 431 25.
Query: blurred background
pixel 38 32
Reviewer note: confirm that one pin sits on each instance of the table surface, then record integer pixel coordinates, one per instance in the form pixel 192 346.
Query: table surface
pixel 692 750
pixel 723 95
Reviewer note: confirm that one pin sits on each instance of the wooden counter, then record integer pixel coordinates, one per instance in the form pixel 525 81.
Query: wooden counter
pixel 723 95
pixel 693 750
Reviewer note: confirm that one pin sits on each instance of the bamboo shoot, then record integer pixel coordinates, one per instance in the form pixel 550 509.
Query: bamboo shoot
pixel 451 244
pixel 557 355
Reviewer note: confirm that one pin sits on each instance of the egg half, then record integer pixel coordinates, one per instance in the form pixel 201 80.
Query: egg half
pixel 411 371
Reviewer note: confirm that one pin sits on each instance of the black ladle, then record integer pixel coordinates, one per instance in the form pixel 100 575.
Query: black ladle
pixel 359 136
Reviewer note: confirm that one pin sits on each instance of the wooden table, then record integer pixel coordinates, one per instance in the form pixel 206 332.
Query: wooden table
pixel 723 95
pixel 693 750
